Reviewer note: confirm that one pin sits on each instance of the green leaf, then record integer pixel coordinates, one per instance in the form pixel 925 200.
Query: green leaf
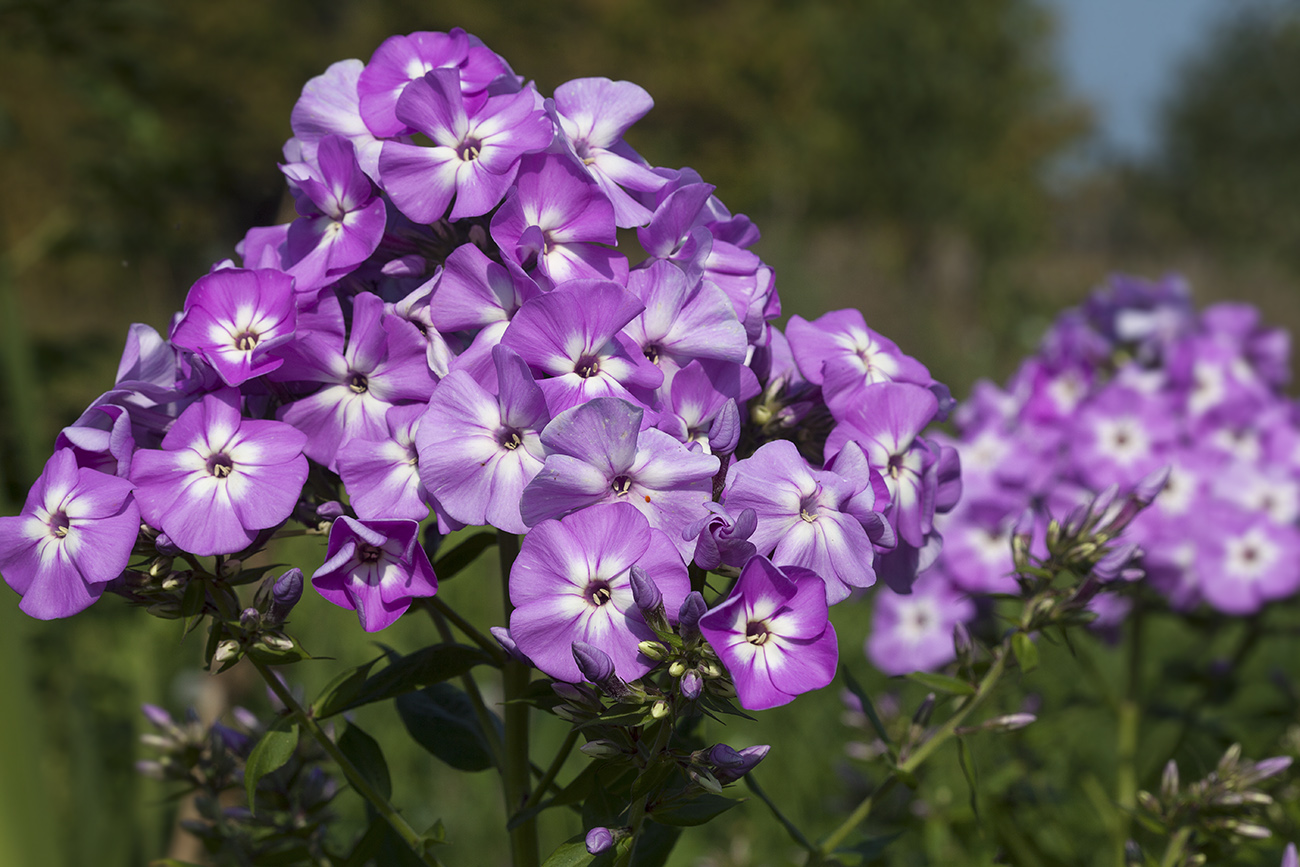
pixel 364 752
pixel 872 847
pixel 341 690
pixel 455 560
pixel 441 719
pixel 405 674
pixel 272 752
pixel 601 808
pixel 941 683
pixel 1025 650
pixel 654 776
pixel 867 707
pixel 364 851
pixel 573 853
pixel 696 811
pixel 654 844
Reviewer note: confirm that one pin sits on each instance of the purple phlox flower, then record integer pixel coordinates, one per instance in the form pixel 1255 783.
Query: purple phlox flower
pixel 474 292
pixel 375 568
pixel 478 451
pixel 703 404
pixel 237 320
pixel 557 224
pixel 977 544
pixel 219 479
pixel 730 765
pixel 399 60
pixel 383 364
pixel 750 284
pixel 1149 314
pixel 1071 341
pixel 914 632
pixel 773 635
pixel 475 154
pixel 382 477
pixel 74 534
pixel 1267 350
pixel 886 422
pixel 572 334
pixel 675 231
pixel 262 247
pixel 1052 394
pixel 101 439
pixel 720 538
pixel 571 582
pixel 815 519
pixel 683 322
pixel 839 352
pixel 597 453
pixel 1258 488
pixel 414 308
pixel 1121 436
pixel 1215 378
pixel 593 114
pixel 152 384
pixel 341 218
pixel 1250 560
pixel 329 106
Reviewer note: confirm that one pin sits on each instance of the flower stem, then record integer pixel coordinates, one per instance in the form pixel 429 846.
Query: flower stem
pixel 909 765
pixel 354 776
pixel 515 772
pixel 1126 741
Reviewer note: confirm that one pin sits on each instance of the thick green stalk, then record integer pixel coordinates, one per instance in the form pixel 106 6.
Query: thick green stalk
pixel 515 765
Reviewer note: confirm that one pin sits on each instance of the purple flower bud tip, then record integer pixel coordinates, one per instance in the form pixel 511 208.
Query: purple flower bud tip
pixel 730 765
pixel 693 608
pixel 330 510
pixel 594 663
pixel 288 588
pixel 1289 857
pixel 645 593
pixel 723 756
pixel 1266 768
pixel 246 718
pixel 165 546
pixel 249 618
pixel 502 635
pixel 1151 486
pixel 157 715
pixel 599 840
pixel 692 683
pixel 1024 526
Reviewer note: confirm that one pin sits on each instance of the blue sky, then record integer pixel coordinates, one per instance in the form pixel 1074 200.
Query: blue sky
pixel 1122 56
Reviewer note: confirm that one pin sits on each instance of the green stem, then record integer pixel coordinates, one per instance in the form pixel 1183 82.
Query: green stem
pixel 515 774
pixel 1126 741
pixel 790 827
pixel 1173 856
pixel 547 778
pixel 637 809
pixel 909 765
pixel 437 607
pixel 354 777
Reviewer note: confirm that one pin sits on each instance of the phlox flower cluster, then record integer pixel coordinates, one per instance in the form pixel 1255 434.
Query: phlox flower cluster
pixel 449 331
pixel 1133 381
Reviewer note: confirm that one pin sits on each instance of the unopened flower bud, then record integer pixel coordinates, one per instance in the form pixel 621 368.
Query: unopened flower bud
pixel 567 713
pixel 705 780
pixel 165 546
pixel 1148 802
pixel 330 510
pixel 659 709
pixel 226 651
pixel 1008 723
pixel 677 669
pixel 568 691
pixel 645 593
pixel 285 594
pixel 599 840
pixel 594 663
pixel 688 618
pixel 601 749
pixel 160 566
pixel 653 650
pixel 156 715
pixel 1249 830
pixel 709 668
pixel 691 684
pixel 277 642
pixel 1169 782
pixel 502 635
pixel 922 715
pixel 250 619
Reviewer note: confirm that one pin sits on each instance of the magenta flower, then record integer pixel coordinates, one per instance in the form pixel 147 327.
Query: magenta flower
pixel 915 632
pixel 74 535
pixel 572 582
pixel 478 450
pixel 219 478
pixel 375 568
pixel 597 453
pixel 814 519
pixel 475 156
pixel 773 635
pixel 382 477
pixel 236 319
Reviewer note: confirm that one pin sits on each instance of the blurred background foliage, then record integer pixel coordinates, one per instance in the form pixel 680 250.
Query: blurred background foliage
pixel 918 160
